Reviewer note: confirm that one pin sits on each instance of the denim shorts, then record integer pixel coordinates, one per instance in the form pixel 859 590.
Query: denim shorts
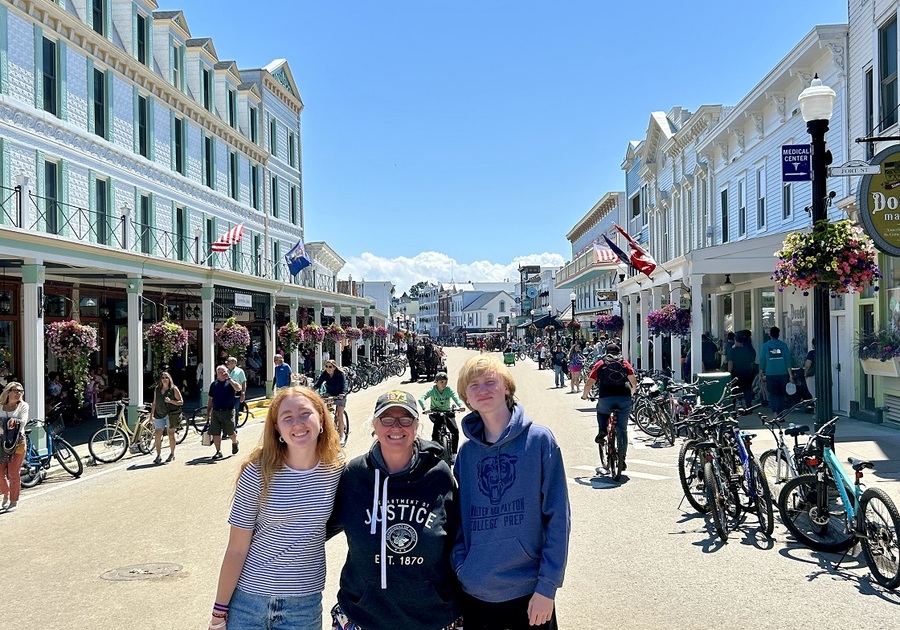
pixel 258 612
pixel 161 424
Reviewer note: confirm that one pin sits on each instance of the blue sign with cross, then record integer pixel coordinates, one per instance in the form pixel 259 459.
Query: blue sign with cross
pixel 795 163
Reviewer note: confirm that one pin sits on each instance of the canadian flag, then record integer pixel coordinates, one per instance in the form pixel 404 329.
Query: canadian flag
pixel 229 238
pixel 640 258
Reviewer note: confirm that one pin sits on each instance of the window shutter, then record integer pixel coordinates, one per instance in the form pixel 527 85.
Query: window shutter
pixel 172 59
pixel 40 225
pixel 63 211
pixel 38 67
pixel 151 152
pixel 4 50
pixel 90 95
pixel 135 119
pixel 110 116
pixel 92 203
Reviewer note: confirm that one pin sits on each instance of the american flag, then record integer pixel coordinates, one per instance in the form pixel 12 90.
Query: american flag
pixel 229 238
pixel 603 254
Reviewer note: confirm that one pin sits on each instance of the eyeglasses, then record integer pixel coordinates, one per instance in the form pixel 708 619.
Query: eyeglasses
pixel 389 421
pixel 17 391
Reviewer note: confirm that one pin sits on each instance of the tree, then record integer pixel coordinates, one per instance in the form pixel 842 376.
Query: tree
pixel 416 289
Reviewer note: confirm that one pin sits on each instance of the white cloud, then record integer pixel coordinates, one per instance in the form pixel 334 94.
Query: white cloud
pixel 437 267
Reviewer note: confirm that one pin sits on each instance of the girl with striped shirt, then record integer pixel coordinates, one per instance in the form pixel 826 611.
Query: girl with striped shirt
pixel 273 572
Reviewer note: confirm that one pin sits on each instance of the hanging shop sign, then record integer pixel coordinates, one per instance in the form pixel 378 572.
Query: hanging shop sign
pixel 878 198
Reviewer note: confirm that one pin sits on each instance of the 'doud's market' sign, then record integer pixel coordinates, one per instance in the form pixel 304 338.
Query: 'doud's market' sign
pixel 878 197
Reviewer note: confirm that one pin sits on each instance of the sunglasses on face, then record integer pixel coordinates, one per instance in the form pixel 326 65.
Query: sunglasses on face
pixel 389 421
pixel 17 391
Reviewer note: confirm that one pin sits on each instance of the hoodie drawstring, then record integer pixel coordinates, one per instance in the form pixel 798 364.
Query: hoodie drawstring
pixel 384 502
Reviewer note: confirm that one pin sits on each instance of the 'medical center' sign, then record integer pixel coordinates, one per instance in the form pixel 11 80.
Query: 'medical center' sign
pixel 878 197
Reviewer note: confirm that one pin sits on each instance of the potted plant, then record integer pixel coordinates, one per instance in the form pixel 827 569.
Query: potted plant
pixel 368 332
pixel 353 333
pixel 879 352
pixel 669 320
pixel 837 256
pixel 291 336
pixel 234 338
pixel 165 339
pixel 610 323
pixel 334 333
pixel 72 342
pixel 313 332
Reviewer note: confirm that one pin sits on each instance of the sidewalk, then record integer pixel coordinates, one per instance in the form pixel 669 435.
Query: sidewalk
pixel 854 438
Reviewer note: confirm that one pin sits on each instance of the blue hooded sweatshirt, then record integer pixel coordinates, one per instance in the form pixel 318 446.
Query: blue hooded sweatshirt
pixel 514 531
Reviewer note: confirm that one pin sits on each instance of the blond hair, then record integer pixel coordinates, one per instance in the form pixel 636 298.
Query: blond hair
pixel 482 364
pixel 270 456
pixel 4 397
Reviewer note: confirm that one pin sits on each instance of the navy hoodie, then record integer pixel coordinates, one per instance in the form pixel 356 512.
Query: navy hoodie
pixel 398 573
pixel 514 532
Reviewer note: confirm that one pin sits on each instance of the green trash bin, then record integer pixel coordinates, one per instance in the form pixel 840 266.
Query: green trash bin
pixel 712 386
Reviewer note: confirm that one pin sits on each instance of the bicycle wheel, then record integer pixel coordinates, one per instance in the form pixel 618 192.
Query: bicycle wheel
pixel 823 528
pixel 604 455
pixel 346 425
pixel 763 499
pixel 145 438
pixel 716 500
pixel 447 454
pixel 243 415
pixel 690 473
pixel 645 418
pixel 880 522
pixel 665 423
pixel 612 454
pixel 775 467
pixel 31 475
pixel 181 430
pixel 108 445
pixel 67 457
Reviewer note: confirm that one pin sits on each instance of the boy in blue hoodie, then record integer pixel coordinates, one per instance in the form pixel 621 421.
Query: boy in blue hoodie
pixel 510 554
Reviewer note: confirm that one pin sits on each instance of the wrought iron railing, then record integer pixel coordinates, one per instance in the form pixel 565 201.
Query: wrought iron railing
pixel 76 223
pixel 9 205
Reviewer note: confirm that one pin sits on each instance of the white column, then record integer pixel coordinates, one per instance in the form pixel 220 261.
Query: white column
pixel 317 318
pixel 656 301
pixel 208 352
pixel 737 313
pixel 296 351
pixel 368 341
pixel 353 345
pixel 336 355
pixel 756 312
pixel 134 288
pixel 645 304
pixel 33 371
pixel 271 343
pixel 697 300
pixel 675 340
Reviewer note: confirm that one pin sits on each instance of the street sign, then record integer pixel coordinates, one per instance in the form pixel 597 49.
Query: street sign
pixel 795 163
pixel 854 167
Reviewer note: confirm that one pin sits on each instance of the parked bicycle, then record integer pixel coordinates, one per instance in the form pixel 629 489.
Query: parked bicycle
pixel 197 420
pixel 782 463
pixel 110 442
pixel 39 433
pixel 830 511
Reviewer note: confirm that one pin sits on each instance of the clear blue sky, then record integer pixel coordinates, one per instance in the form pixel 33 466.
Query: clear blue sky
pixel 485 129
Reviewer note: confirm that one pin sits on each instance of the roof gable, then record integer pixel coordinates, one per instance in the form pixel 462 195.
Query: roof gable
pixel 281 72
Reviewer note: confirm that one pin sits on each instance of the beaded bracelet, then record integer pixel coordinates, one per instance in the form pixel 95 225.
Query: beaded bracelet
pixel 219 615
pixel 221 607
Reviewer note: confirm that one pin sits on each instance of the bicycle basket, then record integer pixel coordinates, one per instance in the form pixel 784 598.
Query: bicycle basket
pixel 58 426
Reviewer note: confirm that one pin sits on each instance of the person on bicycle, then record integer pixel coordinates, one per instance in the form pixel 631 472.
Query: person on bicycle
pixel 336 387
pixel 441 395
pixel 616 384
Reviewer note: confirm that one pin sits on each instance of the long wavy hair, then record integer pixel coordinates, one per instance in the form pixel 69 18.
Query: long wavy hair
pixel 271 454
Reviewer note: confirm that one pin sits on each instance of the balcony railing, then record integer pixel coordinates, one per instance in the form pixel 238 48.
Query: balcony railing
pixel 580 264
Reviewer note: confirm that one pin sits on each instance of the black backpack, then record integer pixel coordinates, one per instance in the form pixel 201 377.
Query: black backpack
pixel 612 376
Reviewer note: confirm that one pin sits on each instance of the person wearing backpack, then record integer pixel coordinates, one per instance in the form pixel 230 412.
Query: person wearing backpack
pixel 774 369
pixel 616 384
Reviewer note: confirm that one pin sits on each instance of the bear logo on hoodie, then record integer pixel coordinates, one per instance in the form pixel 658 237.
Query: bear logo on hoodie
pixel 496 475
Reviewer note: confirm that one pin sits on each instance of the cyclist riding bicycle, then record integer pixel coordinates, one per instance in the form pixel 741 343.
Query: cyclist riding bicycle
pixel 616 385
pixel 441 395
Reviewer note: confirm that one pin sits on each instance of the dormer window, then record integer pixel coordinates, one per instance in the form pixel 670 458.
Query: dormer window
pixel 207 89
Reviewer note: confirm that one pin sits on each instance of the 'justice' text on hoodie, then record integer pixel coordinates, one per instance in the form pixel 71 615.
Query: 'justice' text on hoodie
pixel 514 505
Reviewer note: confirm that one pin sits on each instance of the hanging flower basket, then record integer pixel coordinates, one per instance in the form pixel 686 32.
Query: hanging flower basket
pixel 573 325
pixel 334 333
pixel 837 256
pixel 72 343
pixel 165 339
pixel 291 336
pixel 399 336
pixel 367 331
pixel 609 322
pixel 381 332
pixel 313 332
pixel 234 338
pixel 669 320
pixel 353 333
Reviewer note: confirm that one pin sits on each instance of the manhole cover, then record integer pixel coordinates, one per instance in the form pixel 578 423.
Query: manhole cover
pixel 148 571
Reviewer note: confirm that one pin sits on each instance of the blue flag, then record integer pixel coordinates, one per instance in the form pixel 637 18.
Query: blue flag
pixel 623 257
pixel 297 259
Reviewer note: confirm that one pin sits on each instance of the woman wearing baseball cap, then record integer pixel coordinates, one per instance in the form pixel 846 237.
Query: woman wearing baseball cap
pixel 397 504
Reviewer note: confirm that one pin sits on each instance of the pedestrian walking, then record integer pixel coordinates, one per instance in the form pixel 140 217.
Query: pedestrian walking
pixel 775 369
pixel 273 572
pixel 281 376
pixel 510 566
pixel 237 375
pixel 220 410
pixel 742 366
pixel 575 363
pixel 166 413
pixel 559 363
pixel 398 506
pixel 13 418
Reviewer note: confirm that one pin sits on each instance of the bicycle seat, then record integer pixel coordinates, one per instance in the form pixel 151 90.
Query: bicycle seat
pixel 859 464
pixel 794 430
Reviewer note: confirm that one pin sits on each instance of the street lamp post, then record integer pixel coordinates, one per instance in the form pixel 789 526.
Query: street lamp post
pixel 572 297
pixel 399 319
pixel 533 311
pixel 817 106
